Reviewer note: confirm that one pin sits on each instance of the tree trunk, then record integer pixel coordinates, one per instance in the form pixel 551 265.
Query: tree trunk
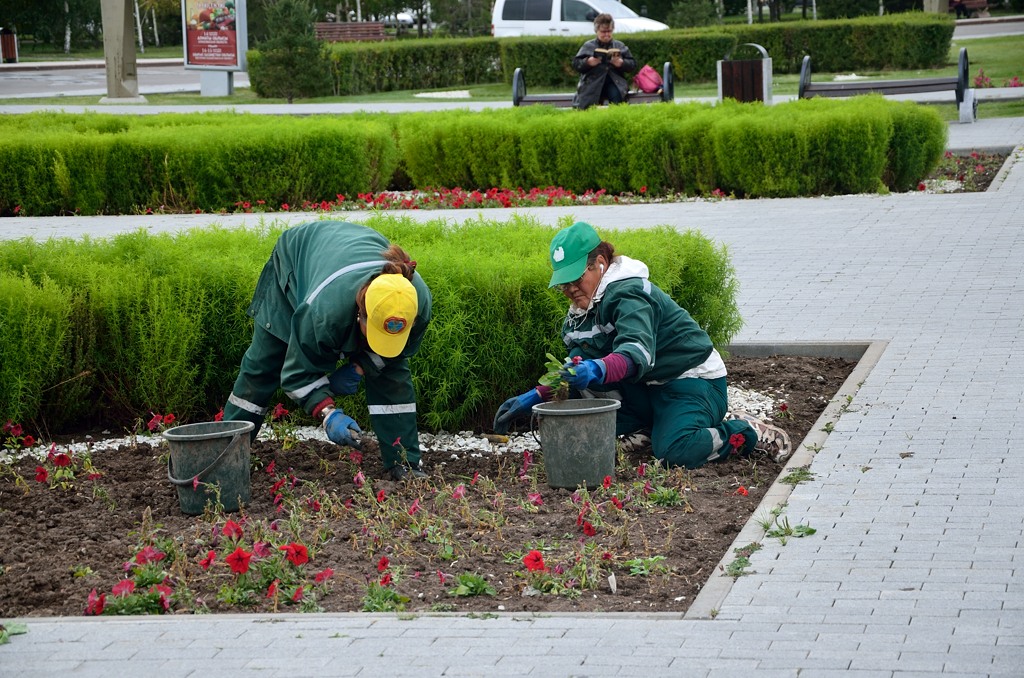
pixel 138 28
pixel 67 29
pixel 156 32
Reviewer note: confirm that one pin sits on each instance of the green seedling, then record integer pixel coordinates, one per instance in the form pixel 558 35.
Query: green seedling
pixel 797 476
pixel 553 376
pixel 472 585
pixel 641 567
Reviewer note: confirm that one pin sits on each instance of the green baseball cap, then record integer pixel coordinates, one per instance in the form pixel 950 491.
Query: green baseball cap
pixel 569 251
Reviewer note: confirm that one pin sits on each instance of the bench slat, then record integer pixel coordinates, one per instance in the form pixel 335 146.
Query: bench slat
pixel 332 31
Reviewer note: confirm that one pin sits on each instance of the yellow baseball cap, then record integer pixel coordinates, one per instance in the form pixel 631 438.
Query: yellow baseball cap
pixel 391 306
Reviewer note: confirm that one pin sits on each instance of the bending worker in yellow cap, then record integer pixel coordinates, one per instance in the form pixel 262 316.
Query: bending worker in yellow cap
pixel 332 292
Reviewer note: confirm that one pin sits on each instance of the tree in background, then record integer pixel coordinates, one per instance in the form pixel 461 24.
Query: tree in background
pixel 691 13
pixel 291 63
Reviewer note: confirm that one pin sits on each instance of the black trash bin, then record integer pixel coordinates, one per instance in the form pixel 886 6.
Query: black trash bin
pixel 746 79
pixel 8 46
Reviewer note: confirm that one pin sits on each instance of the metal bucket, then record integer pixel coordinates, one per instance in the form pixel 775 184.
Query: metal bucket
pixel 214 453
pixel 577 439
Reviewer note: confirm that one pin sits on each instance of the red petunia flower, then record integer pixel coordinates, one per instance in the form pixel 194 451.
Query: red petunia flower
pixel 534 561
pixel 28 441
pixel 297 553
pixel 125 587
pixel 219 416
pixel 169 419
pixel 297 596
pixel 95 603
pixel 588 528
pixel 737 441
pixel 42 475
pixel 238 560
pixel 232 529
pixel 208 560
pixel 386 579
pixel 61 460
pixel 607 482
pixel 381 497
pixel 278 412
pixel 323 575
pixel 383 563
pixel 742 491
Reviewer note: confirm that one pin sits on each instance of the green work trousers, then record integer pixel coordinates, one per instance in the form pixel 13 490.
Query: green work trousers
pixel 685 419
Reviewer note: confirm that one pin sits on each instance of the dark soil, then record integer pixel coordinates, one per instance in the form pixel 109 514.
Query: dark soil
pixel 58 544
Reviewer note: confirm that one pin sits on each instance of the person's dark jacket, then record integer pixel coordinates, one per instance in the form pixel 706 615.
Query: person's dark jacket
pixel 591 84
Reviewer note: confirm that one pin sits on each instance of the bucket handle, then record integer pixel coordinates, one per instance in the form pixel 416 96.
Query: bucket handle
pixel 201 474
pixel 533 430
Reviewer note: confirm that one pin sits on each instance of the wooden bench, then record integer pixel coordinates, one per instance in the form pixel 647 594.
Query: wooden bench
pixel 975 8
pixel 350 31
pixel 958 83
pixel 521 98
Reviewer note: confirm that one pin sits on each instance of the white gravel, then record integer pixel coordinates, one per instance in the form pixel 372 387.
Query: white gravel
pixel 455 445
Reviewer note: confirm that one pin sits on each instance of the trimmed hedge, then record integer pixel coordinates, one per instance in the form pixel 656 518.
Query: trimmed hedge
pixel 107 331
pixel 902 41
pixel 102 164
pixel 57 163
pixel 808 147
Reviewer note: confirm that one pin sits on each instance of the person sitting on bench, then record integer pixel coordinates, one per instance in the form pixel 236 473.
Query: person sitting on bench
pixel 602 64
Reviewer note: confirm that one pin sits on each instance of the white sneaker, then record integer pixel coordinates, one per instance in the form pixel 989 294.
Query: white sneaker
pixel 634 442
pixel 772 441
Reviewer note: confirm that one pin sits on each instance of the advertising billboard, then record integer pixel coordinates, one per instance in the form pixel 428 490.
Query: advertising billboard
pixel 215 34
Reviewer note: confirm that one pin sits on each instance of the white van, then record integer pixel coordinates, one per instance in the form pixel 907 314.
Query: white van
pixel 513 18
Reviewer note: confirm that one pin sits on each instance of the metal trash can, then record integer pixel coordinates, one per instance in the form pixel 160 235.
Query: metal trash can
pixel 8 46
pixel 746 79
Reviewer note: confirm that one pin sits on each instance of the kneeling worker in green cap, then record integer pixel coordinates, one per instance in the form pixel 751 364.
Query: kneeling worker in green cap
pixel 627 339
pixel 334 292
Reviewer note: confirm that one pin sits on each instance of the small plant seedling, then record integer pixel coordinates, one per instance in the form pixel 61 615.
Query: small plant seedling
pixel 738 566
pixel 383 599
pixel 472 585
pixel 553 376
pixel 666 496
pixel 797 476
pixel 828 427
pixel 641 567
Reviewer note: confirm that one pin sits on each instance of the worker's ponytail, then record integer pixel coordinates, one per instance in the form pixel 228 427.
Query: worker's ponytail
pixel 398 262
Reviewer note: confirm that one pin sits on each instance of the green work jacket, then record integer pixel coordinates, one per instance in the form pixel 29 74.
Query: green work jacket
pixel 633 316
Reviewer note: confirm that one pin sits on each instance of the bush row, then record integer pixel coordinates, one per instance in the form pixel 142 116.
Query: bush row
pixel 110 330
pixel 55 163
pixel 904 41
pixel 106 164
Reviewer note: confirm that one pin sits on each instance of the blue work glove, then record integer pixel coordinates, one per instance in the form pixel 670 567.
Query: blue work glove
pixel 587 372
pixel 345 380
pixel 342 429
pixel 514 408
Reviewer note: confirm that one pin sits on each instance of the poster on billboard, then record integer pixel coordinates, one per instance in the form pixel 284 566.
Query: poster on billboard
pixel 215 34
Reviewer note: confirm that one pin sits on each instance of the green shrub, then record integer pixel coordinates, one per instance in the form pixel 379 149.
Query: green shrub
pixel 107 331
pixel 55 164
pixel 34 331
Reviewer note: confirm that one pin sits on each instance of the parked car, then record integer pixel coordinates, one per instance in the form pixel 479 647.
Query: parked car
pixel 513 18
pixel 404 19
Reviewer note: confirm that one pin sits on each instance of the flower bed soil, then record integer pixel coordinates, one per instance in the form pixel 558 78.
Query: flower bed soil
pixel 371 548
